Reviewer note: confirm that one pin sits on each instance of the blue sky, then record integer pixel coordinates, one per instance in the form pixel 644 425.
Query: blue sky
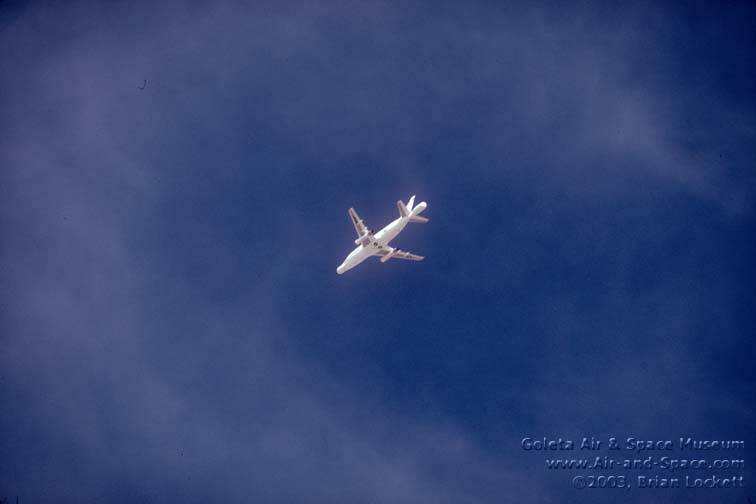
pixel 173 329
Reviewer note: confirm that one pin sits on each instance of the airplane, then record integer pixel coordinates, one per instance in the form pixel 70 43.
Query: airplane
pixel 369 244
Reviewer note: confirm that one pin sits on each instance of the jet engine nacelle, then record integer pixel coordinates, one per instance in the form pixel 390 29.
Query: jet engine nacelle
pixel 388 256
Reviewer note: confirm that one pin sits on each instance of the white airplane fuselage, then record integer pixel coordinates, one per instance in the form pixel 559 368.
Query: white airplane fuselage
pixel 379 241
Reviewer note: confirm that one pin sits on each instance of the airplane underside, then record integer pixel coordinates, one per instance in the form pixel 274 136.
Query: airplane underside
pixel 370 244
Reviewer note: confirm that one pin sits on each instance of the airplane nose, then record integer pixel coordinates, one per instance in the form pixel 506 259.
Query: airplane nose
pixel 340 269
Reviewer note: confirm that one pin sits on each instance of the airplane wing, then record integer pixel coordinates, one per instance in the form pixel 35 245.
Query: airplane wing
pixel 359 226
pixel 401 254
pixel 398 254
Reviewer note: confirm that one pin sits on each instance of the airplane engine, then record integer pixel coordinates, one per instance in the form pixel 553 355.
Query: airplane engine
pixel 387 256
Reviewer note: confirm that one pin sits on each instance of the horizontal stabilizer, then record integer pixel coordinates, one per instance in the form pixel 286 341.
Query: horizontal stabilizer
pixel 403 211
pixel 419 219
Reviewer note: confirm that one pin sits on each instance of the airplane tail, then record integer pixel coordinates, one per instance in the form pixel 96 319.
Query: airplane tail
pixel 412 211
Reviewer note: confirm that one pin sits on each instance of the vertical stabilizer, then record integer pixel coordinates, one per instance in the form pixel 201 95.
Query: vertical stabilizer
pixel 416 211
